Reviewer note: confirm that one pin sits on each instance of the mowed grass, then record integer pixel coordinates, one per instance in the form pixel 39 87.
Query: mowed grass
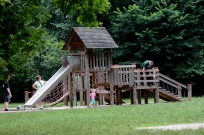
pixel 111 120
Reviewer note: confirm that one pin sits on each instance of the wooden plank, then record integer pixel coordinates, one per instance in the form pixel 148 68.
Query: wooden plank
pixel 97 66
pixel 103 60
pixel 99 62
pixel 94 62
pixel 101 45
pixel 130 76
pixel 91 62
pixel 76 53
pixel 122 66
pixel 97 39
pixel 123 77
pixel 146 81
pixel 149 70
pixel 126 76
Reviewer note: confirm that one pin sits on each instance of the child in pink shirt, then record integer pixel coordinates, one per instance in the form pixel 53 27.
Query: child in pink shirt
pixel 93 96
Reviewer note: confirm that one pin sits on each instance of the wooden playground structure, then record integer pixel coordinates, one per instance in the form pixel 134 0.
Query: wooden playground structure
pixel 97 71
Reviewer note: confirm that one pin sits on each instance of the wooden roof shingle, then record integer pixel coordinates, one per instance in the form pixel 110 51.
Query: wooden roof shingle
pixel 97 37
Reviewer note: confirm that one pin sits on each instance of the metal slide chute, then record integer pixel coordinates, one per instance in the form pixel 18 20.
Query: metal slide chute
pixel 69 64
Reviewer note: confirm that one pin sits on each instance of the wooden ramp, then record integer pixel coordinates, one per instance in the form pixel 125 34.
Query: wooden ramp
pixel 166 95
pixel 107 98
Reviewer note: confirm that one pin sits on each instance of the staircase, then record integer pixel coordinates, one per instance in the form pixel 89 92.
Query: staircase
pixel 166 95
pixel 168 89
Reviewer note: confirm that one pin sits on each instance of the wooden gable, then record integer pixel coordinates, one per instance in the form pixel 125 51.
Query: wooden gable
pixel 81 37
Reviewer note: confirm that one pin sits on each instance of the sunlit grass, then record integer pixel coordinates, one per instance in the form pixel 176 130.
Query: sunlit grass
pixel 111 120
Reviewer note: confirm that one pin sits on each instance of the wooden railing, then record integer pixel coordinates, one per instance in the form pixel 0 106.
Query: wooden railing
pixel 174 86
pixel 123 74
pixel 142 83
pixel 100 61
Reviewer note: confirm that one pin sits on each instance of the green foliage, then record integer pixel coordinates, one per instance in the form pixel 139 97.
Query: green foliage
pixel 3 2
pixel 47 60
pixel 167 32
pixel 21 34
pixel 86 11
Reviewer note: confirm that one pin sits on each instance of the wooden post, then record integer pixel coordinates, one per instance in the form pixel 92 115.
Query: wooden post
pixel 146 96
pixel 65 87
pixel 156 91
pixel 189 92
pixel 156 95
pixel 131 96
pixel 99 99
pixel 74 81
pixel 70 90
pixel 81 90
pixel 111 88
pixel 134 93
pixel 26 96
pixel 87 79
pixel 179 91
pixel 139 96
pixel 119 97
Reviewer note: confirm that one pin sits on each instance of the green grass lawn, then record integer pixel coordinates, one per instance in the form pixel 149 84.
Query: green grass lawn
pixel 111 120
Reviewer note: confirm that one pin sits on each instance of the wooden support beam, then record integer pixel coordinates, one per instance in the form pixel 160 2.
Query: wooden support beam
pixel 70 90
pixel 81 91
pixel 111 88
pixel 134 94
pixel 146 96
pixel 139 96
pixel 65 90
pixel 156 95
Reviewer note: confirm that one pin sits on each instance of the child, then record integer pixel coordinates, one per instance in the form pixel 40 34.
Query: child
pixel 93 96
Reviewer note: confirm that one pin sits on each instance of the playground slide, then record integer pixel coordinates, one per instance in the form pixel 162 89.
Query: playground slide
pixel 74 63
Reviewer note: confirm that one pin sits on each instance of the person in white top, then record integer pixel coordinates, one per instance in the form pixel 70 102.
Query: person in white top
pixel 37 85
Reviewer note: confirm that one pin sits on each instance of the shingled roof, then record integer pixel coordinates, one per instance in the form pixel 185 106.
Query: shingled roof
pixel 97 37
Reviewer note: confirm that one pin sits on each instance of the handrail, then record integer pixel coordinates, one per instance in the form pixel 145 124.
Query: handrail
pixel 171 80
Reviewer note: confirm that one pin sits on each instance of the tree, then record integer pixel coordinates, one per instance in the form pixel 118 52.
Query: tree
pixel 86 11
pixel 168 32
pixel 21 34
